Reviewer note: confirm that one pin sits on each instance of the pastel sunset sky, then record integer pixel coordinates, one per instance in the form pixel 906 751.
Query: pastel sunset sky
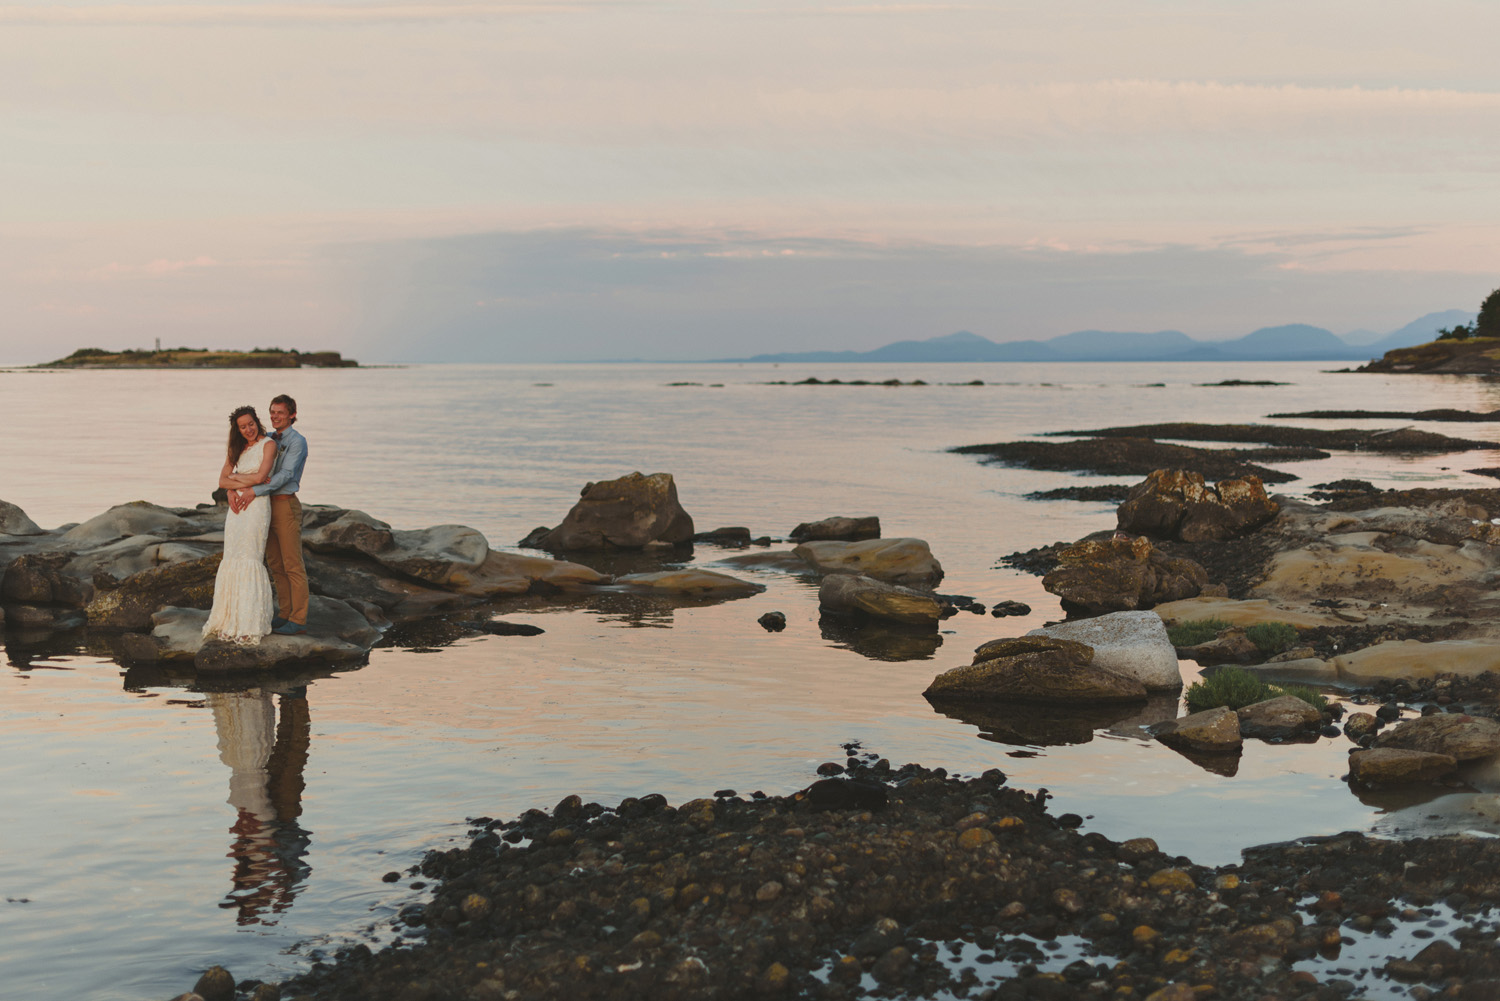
pixel 572 180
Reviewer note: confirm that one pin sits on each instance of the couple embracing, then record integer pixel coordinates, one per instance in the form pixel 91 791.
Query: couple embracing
pixel 263 528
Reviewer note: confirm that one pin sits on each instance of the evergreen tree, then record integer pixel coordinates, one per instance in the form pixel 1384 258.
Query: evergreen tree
pixel 1488 324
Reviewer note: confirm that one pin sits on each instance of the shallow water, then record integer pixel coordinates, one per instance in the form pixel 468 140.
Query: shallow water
pixel 136 868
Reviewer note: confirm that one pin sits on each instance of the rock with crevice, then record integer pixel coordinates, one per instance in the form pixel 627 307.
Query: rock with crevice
pixel 131 605
pixel 42 579
pixel 1180 504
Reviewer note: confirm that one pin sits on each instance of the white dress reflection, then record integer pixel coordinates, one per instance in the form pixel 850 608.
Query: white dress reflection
pixel 266 752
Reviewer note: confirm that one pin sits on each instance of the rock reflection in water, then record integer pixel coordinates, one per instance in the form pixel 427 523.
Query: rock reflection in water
pixel 879 640
pixel 266 752
pixel 1042 725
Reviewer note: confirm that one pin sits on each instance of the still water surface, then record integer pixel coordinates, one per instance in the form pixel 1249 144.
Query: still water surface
pixel 134 822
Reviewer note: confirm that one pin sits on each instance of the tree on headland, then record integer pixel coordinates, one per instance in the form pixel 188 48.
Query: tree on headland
pixel 1488 322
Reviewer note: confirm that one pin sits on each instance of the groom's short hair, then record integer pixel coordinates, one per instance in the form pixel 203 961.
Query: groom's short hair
pixel 289 403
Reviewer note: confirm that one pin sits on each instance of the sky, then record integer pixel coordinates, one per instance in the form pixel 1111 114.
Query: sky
pixel 541 181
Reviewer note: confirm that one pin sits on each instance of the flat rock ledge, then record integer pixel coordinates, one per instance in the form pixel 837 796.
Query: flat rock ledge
pixel 145 571
pixel 812 895
pixel 896 561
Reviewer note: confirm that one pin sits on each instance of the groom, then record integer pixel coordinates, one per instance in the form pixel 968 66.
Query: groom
pixel 284 542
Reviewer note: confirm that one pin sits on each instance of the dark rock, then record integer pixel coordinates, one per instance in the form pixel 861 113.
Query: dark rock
pixel 39 579
pixel 1179 504
pixel 846 794
pixel 773 622
pixel 627 513
pixel 1131 457
pixel 725 536
pixel 1003 608
pixel 189 584
pixel 534 538
pixel 1213 730
pixel 216 984
pixel 840 528
pixel 1283 716
pixel 495 627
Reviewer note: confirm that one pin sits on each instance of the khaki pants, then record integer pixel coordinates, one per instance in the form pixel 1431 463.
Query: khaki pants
pixel 284 557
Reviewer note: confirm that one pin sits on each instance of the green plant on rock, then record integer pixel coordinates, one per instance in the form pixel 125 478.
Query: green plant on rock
pixel 1237 688
pixel 1193 633
pixel 1270 638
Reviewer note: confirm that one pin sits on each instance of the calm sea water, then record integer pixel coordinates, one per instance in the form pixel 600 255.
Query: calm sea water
pixel 134 845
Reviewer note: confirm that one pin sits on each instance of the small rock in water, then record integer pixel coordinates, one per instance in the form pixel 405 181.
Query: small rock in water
pixel 774 622
pixel 216 984
pixel 390 877
pixel 846 794
pixel 830 768
pixel 1003 608
pixel 498 628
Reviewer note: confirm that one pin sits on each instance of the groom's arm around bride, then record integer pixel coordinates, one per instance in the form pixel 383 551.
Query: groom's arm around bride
pixel 284 542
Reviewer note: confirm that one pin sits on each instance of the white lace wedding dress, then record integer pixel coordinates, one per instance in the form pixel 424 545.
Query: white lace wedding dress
pixel 243 602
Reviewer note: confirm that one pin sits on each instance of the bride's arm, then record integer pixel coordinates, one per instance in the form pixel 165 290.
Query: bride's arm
pixel 245 481
pixel 226 476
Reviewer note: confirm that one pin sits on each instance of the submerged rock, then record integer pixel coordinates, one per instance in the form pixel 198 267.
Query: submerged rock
pixel 1113 575
pixel 1180 504
pixel 900 561
pixel 626 513
pixel 689 582
pixel 1134 644
pixel 1035 669
pixel 854 594
pixel 837 528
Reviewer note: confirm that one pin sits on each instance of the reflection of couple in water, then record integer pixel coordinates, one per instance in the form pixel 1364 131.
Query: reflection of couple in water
pixel 266 757
pixel 262 474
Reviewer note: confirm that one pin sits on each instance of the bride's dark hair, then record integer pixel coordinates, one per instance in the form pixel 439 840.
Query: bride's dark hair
pixel 237 440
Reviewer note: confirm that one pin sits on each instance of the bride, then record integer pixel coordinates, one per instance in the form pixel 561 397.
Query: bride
pixel 243 602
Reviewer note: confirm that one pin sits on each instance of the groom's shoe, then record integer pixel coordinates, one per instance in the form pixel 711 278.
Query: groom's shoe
pixel 277 622
pixel 289 628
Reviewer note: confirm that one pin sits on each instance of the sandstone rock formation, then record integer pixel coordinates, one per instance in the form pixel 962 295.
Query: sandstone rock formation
pixel 1214 731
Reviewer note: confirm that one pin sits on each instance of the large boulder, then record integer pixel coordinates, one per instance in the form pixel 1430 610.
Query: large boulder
pixel 1035 669
pixel 855 594
pixel 1134 644
pixel 1459 736
pixel 13 521
pixel 1180 504
pixel 1390 765
pixel 689 583
pixel 627 513
pixel 1214 731
pixel 900 561
pixel 40 579
pixel 135 518
pixel 1283 716
pixel 837 528
pixel 189 584
pixel 1114 575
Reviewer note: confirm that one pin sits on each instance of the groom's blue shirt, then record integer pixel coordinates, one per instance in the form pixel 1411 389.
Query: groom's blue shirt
pixel 286 473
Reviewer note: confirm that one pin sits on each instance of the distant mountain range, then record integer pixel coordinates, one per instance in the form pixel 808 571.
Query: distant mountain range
pixel 1292 342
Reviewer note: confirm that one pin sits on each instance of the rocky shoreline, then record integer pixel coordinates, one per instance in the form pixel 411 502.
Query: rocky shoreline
pixel 909 883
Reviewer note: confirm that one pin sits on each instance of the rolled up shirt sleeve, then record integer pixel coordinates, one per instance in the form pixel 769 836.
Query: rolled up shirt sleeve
pixel 289 470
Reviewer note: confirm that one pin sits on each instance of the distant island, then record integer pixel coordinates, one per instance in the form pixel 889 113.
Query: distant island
pixel 201 358
pixel 1292 342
